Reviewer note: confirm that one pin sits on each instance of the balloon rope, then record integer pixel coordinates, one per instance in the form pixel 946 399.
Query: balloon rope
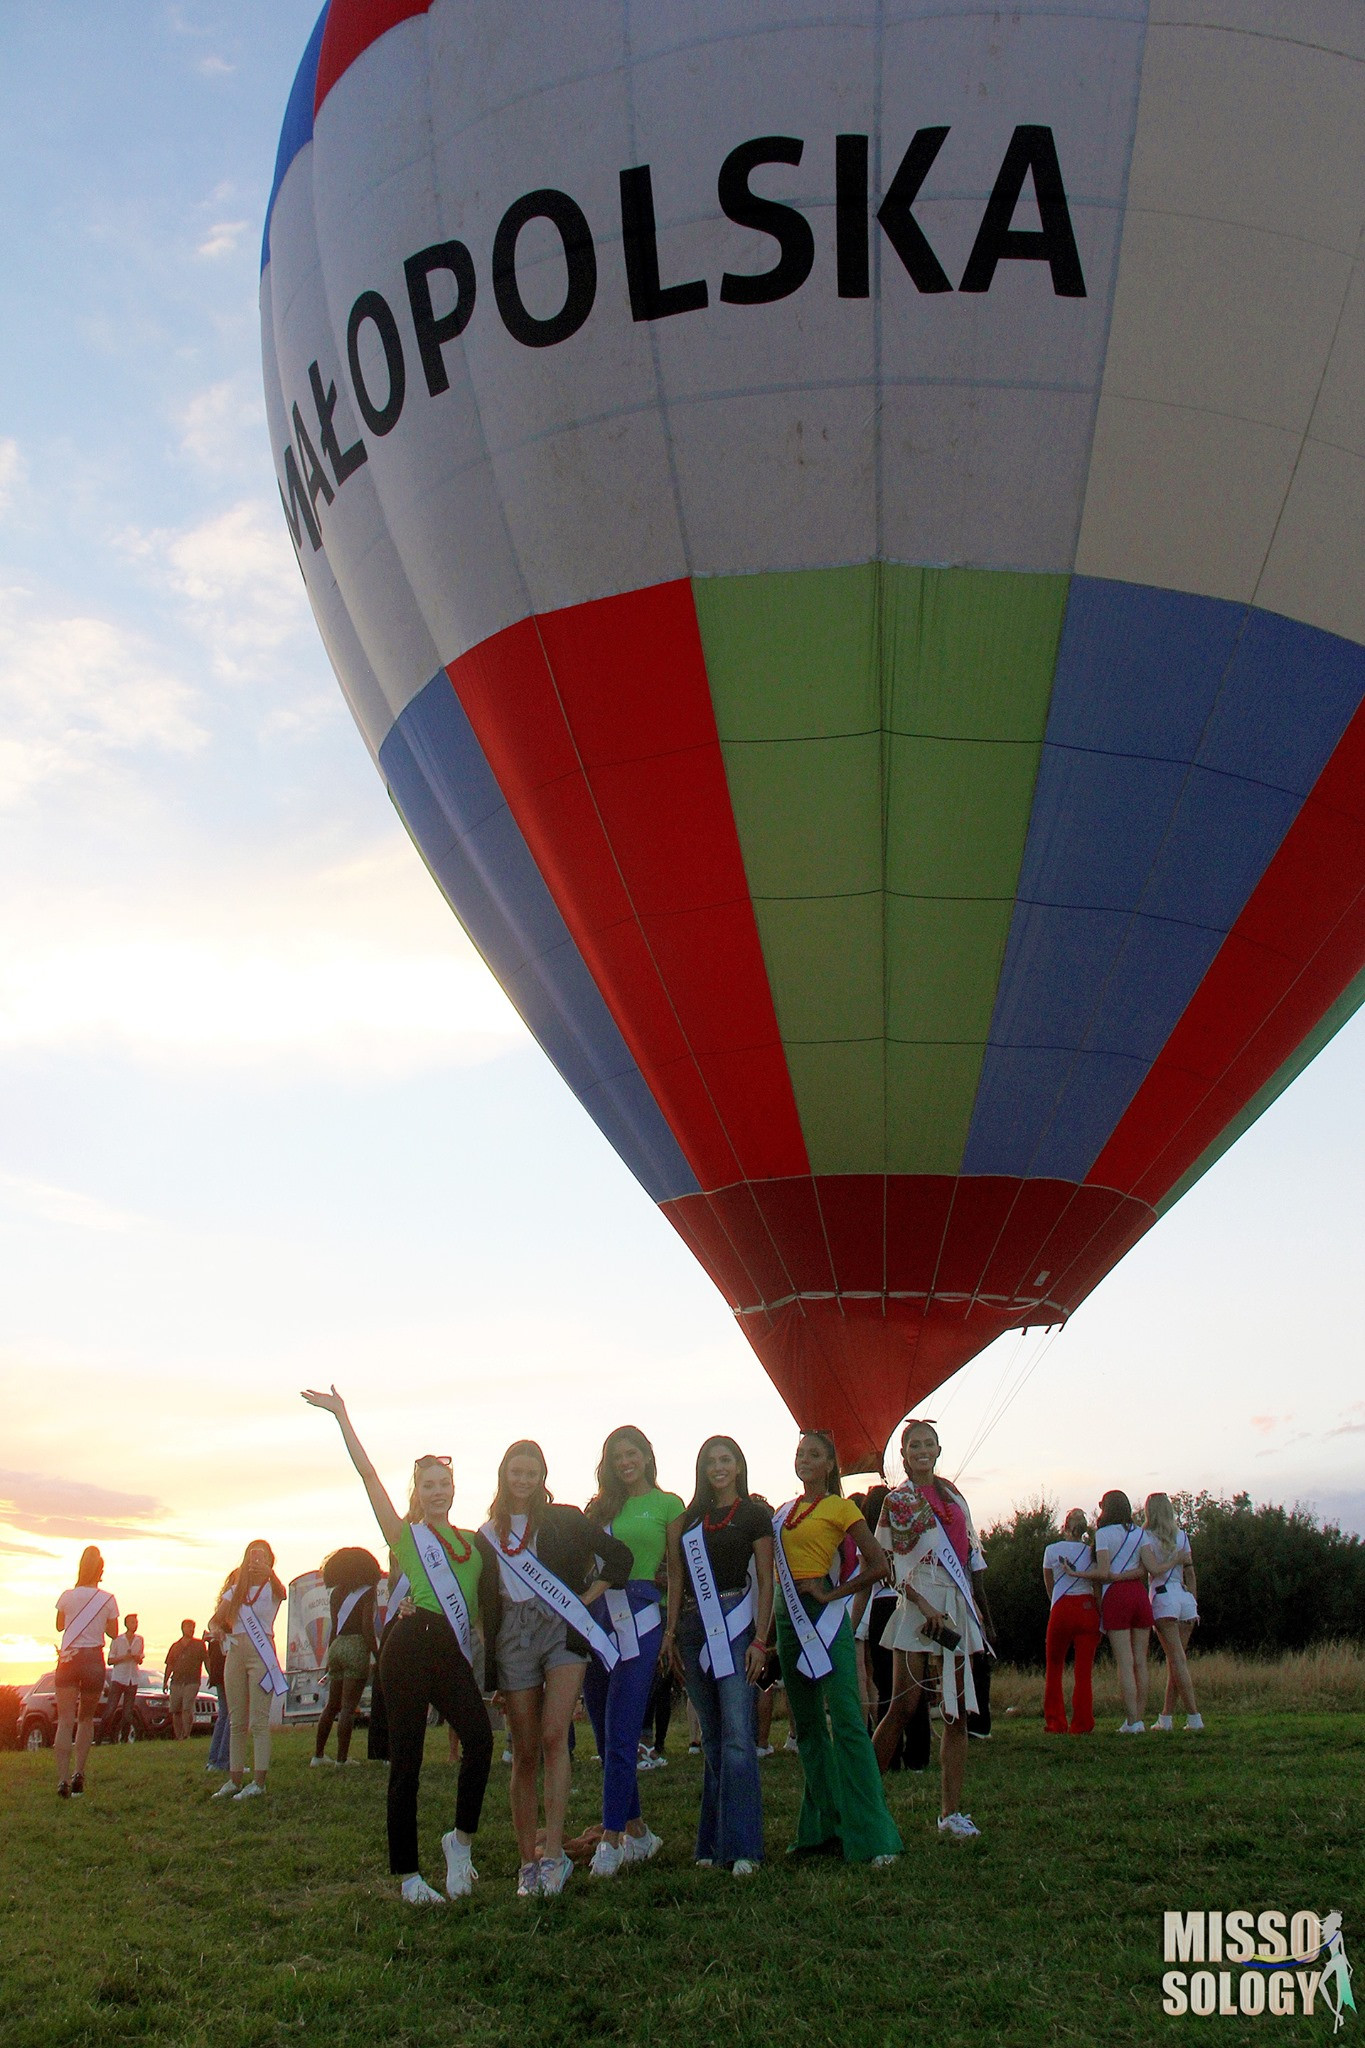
pixel 990 1422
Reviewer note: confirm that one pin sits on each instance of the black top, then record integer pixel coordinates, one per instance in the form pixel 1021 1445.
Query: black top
pixel 213 1652
pixel 360 1620
pixel 730 1548
pixel 569 1545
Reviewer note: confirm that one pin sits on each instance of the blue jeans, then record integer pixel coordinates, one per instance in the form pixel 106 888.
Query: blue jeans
pixel 730 1825
pixel 218 1747
pixel 617 1706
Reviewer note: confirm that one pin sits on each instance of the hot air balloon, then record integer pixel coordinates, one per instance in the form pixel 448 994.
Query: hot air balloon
pixel 841 528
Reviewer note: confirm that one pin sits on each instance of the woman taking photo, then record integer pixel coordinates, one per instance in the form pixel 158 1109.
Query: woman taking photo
pixel 85 1616
pixel 1169 1564
pixel 938 1625
pixel 1125 1610
pixel 428 1656
pixel 1073 1623
pixel 252 1678
pixel 629 1505
pixel 541 1657
pixel 350 1576
pixel 843 1810
pixel 720 1604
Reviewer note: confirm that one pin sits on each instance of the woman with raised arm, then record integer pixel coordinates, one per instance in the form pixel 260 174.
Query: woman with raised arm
pixel 720 1605
pixel 843 1810
pixel 937 1628
pixel 252 1678
pixel 548 1561
pixel 85 1615
pixel 631 1506
pixel 1169 1563
pixel 428 1656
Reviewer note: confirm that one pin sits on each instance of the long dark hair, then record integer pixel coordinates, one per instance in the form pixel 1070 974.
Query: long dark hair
pixel 610 1496
pixel 835 1481
pixel 944 1485
pixel 703 1493
pixel 350 1569
pixel 500 1509
pixel 1116 1510
pixel 241 1584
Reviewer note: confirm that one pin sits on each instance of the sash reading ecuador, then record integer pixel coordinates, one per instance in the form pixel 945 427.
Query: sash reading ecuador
pixel 721 1628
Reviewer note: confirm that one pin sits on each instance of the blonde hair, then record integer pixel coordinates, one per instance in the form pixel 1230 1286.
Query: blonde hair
pixel 419 1466
pixel 1159 1520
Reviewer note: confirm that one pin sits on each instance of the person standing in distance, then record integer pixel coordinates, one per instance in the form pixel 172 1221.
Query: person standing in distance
pixel 126 1653
pixel 85 1615
pixel 1073 1623
pixel 251 1669
pixel 631 1506
pixel 428 1656
pixel 181 1677
pixel 1125 1608
pixel 350 1576
pixel 1169 1562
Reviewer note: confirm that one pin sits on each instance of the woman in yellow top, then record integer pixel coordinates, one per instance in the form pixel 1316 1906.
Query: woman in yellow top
pixel 844 1810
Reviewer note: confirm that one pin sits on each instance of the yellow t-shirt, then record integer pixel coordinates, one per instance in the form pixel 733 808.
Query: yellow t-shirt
pixel 811 1545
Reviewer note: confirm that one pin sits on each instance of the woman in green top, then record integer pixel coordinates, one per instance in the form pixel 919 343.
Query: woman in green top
pixel 427 1657
pixel 629 1505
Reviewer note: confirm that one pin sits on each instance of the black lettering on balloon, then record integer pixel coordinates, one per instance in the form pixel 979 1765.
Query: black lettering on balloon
pixel 314 475
pixel 788 228
pixel 580 260
pixel 649 299
pixel 434 330
pixel 850 216
pixel 298 509
pixel 373 307
pixel 898 223
pixel 345 461
pixel 1032 151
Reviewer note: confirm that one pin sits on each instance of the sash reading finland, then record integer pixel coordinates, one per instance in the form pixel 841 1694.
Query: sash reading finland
pixel 814 1637
pixel 721 1628
pixel 431 1555
pixel 256 1628
pixel 556 1598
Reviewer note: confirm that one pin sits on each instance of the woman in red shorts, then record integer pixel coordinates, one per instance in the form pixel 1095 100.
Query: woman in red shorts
pixel 1125 1610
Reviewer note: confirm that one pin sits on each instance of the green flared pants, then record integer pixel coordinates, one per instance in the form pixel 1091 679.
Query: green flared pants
pixel 843 1797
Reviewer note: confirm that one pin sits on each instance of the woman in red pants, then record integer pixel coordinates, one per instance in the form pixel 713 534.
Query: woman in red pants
pixel 1072 1624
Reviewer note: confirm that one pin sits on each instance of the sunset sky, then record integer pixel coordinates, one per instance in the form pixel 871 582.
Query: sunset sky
pixel 266 1122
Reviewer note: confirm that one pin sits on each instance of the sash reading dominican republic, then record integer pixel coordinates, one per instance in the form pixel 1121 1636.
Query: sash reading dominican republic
pixel 431 1554
pixel 721 1628
pixel 555 1597
pixel 814 1637
pixel 256 1627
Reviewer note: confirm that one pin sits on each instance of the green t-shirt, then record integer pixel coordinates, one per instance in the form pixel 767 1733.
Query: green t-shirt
pixel 467 1575
pixel 642 1524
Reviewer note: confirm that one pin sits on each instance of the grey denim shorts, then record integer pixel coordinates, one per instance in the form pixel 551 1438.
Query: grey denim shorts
pixel 531 1641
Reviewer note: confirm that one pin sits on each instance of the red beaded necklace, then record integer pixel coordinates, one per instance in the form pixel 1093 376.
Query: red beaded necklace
pixel 714 1528
pixel 458 1556
pixel 799 1511
pixel 513 1547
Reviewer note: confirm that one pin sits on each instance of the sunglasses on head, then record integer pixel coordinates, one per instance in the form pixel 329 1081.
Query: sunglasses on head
pixel 423 1464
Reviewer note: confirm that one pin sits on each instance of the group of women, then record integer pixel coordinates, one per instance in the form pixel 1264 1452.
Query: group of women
pixel 555 1603
pixel 1145 1576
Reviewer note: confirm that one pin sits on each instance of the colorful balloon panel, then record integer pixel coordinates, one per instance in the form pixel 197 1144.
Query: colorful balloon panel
pixel 843 536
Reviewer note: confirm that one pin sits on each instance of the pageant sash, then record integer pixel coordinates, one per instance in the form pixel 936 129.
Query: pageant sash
pixel 347 1609
pixel 74 1627
pixel 814 1637
pixel 934 1543
pixel 556 1598
pixel 629 1627
pixel 257 1633
pixel 394 1596
pixel 444 1584
pixel 721 1628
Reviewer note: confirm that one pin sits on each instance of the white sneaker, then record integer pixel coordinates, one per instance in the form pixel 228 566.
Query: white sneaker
pixel 885 1862
pixel 763 1750
pixel 251 1790
pixel 742 1867
pixel 417 1892
pixel 1165 1723
pixel 703 1862
pixel 606 1859
pixel 1194 1724
pixel 555 1872
pixel 792 1746
pixel 317 1763
pixel 1133 1728
pixel 227 1790
pixel 639 1848
pixel 507 1756
pixel 528 1880
pixel 960 1824
pixel 460 1872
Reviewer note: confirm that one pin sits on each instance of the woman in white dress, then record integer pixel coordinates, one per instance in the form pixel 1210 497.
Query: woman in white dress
pixel 1169 1563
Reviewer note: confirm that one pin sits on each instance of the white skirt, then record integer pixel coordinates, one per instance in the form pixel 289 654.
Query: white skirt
pixel 905 1631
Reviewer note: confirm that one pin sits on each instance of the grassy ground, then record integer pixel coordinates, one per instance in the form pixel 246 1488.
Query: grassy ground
pixel 145 1915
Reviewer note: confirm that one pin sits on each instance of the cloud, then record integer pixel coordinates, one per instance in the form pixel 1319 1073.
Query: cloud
pixel 12 472
pixel 75 691
pixel 215 67
pixel 222 238
pixel 1352 1421
pixel 217 421
pixel 62 1205
pixel 25 1550
pixel 1266 1423
pixel 24 1650
pixel 234 576
pixel 46 1506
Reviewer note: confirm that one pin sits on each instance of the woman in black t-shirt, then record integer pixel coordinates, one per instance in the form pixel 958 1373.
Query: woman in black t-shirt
pixel 720 1605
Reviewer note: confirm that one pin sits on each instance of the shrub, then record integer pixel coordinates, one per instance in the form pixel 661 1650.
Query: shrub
pixel 11 1699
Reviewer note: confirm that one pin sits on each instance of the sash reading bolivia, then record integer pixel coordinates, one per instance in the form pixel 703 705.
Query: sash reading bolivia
pixel 256 1628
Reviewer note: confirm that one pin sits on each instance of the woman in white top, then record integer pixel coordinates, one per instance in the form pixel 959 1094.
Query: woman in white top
pixel 1169 1564
pixel 247 1676
pixel 1125 1610
pixel 1073 1623
pixel 85 1616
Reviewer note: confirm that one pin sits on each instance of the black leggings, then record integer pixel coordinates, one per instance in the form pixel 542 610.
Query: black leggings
pixel 661 1709
pixel 421 1665
pixel 344 1689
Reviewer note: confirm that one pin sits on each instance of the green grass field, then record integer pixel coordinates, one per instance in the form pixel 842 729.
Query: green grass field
pixel 147 1915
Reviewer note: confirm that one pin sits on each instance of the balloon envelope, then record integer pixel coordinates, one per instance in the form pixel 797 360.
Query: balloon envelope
pixel 843 536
